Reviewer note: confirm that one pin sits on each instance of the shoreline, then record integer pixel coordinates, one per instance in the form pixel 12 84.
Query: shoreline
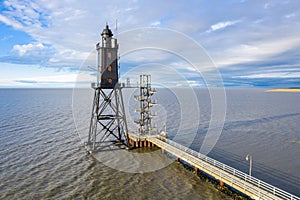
pixel 284 90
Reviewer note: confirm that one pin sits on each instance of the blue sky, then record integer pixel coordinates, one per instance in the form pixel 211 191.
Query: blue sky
pixel 251 43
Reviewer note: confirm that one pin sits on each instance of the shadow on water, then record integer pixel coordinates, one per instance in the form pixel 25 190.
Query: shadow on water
pixel 110 145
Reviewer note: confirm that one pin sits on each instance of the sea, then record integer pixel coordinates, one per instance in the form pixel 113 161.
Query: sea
pixel 42 135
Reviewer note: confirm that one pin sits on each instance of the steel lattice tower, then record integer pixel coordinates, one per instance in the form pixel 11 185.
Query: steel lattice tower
pixel 108 120
pixel 146 103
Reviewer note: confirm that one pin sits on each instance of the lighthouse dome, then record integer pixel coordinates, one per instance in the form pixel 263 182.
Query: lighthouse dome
pixel 106 32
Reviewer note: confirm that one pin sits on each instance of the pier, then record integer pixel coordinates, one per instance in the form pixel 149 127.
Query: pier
pixel 240 181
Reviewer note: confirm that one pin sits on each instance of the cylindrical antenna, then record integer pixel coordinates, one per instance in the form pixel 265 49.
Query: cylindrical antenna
pixel 116 31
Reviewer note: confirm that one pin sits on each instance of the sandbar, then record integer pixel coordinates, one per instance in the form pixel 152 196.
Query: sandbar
pixel 284 90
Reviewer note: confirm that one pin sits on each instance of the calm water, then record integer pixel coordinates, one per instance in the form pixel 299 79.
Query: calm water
pixel 42 156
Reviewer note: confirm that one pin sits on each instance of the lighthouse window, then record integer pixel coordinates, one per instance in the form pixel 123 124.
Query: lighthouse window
pixel 109 68
pixel 109 55
pixel 109 80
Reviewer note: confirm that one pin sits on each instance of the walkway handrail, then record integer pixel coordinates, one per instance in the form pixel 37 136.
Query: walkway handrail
pixel 250 179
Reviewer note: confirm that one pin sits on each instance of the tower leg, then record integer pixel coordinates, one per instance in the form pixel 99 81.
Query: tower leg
pixel 93 124
pixel 124 117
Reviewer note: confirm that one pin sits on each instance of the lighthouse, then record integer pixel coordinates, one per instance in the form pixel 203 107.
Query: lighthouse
pixel 108 119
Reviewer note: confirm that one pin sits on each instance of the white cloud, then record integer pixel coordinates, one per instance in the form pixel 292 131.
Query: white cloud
pixel 60 25
pixel 271 75
pixel 267 5
pixel 25 48
pixel 156 23
pixel 18 75
pixel 131 8
pixel 290 15
pixel 53 78
pixel 70 29
pixel 10 22
pixel 256 51
pixel 63 80
pixel 9 83
pixel 222 25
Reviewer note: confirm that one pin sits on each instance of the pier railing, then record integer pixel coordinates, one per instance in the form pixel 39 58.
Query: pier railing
pixel 245 177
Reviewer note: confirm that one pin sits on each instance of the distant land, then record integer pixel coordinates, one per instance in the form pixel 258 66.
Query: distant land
pixel 284 90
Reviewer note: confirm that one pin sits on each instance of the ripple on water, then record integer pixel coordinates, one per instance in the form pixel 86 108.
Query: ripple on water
pixel 42 156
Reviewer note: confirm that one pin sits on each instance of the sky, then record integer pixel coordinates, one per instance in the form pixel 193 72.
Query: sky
pixel 249 43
